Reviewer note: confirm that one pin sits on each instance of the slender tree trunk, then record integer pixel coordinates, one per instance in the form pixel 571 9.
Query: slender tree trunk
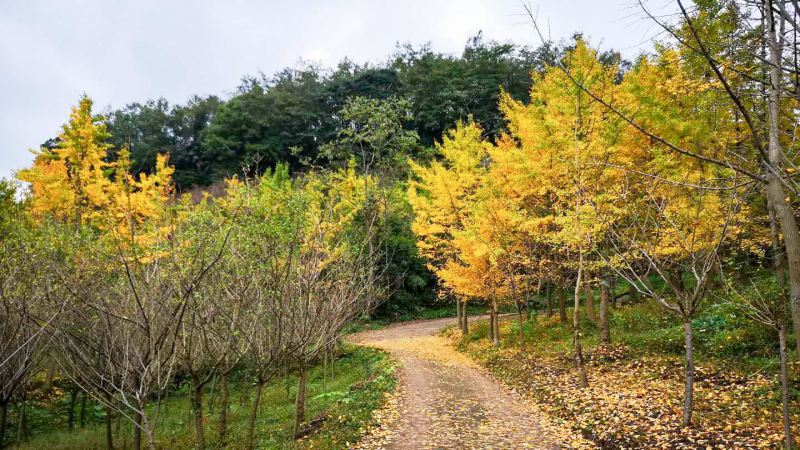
pixel 689 391
pixel 491 323
pixel 589 300
pixel 137 432
pixel 197 407
pixel 212 395
pixel 465 318
pixel 583 381
pixel 549 300
pixel 520 321
pixel 3 421
pixel 496 328
pixel 22 425
pixel 148 431
pixel 83 409
pixel 460 318
pixel 604 324
pixel 109 434
pixel 562 307
pixel 251 425
pixel 778 257
pixel 787 421
pixel 73 399
pixel 222 424
pixel 775 191
pixel 791 239
pixel 325 372
pixel 300 404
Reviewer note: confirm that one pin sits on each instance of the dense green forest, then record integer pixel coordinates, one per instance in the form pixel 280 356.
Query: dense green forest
pixel 291 115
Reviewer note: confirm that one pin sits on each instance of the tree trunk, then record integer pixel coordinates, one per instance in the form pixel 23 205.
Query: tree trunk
pixel 576 332
pixel 197 407
pixel 222 424
pixel 549 301
pixel 562 307
pixel 300 404
pixel 775 191
pixel 604 324
pixel 83 409
pixel 787 421
pixel 465 318
pixel 251 425
pixel 73 399
pixel 778 260
pixel 148 431
pixel 109 435
pixel 520 321
pixel 791 239
pixel 589 300
pixel 689 391
pixel 137 432
pixel 491 323
pixel 496 328
pixel 325 371
pixel 459 315
pixel 22 425
pixel 3 421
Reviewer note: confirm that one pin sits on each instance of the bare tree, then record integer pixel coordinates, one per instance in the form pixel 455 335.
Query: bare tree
pixel 120 342
pixel 334 281
pixel 30 301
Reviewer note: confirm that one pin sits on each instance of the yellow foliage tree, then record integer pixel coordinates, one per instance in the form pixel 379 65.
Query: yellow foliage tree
pixel 77 181
pixel 441 196
pixel 71 181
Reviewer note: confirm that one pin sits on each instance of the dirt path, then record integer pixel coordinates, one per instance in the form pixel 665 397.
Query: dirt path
pixel 446 401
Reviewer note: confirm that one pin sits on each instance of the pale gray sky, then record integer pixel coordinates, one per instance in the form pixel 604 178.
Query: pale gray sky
pixel 124 51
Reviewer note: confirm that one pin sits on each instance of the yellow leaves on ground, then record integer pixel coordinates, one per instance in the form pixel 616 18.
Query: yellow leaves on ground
pixel 631 401
pixel 434 348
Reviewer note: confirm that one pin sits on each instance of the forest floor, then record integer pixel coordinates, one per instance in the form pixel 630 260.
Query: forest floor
pixel 446 400
pixel 635 393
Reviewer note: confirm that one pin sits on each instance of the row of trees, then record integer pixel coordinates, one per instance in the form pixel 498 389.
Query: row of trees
pixel 121 286
pixel 313 118
pixel 668 177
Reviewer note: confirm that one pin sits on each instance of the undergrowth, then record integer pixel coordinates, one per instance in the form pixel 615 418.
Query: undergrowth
pixel 636 383
pixel 342 403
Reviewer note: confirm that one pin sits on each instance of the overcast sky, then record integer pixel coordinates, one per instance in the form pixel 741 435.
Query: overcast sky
pixel 119 51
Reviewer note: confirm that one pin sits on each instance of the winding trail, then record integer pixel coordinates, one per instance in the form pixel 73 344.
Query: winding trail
pixel 446 401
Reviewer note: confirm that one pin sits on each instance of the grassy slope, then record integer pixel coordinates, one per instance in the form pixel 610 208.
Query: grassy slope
pixel 636 384
pixel 352 391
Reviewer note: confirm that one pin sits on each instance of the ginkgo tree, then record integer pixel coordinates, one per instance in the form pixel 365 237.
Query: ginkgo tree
pixel 441 195
pixel 552 169
pixel 82 183
pixel 679 211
